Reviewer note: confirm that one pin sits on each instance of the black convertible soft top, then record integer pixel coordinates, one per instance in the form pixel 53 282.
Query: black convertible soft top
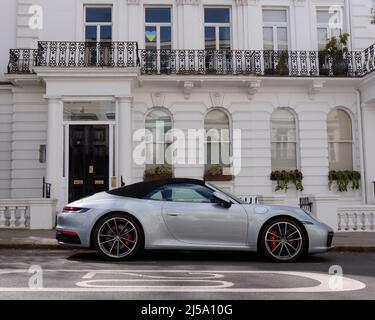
pixel 141 189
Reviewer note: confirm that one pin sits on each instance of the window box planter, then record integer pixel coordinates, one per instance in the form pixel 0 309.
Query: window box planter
pixel 157 176
pixel 225 177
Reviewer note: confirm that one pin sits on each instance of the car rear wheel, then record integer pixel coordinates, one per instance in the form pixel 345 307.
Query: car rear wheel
pixel 117 236
pixel 283 240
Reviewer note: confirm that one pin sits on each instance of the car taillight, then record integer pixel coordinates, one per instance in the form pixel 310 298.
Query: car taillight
pixel 74 209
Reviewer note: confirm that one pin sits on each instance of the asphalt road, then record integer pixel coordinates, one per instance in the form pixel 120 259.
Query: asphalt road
pixel 75 274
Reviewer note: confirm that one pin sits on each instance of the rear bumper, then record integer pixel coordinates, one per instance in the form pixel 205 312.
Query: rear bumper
pixel 67 237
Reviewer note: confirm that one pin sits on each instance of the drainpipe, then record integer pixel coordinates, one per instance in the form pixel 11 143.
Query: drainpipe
pixel 361 147
pixel 349 22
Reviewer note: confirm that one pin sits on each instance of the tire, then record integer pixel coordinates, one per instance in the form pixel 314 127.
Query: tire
pixel 283 240
pixel 117 237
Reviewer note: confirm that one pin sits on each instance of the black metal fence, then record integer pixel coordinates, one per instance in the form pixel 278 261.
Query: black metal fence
pixel 305 203
pixel 56 54
pixel 46 193
pixel 252 62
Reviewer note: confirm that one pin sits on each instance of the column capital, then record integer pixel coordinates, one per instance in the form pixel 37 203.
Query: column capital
pixel 52 98
pixel 124 99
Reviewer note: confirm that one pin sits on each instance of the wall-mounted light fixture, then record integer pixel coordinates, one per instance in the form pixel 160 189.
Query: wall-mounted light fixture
pixel 42 153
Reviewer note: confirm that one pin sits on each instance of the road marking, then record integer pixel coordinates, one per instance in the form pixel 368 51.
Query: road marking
pixel 348 284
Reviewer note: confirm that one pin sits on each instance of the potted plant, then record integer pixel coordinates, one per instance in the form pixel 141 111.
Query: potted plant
pixel 282 67
pixel 162 171
pixel 335 51
pixel 283 178
pixel 343 178
pixel 215 172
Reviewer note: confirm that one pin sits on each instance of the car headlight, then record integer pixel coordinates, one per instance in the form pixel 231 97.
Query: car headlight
pixel 74 209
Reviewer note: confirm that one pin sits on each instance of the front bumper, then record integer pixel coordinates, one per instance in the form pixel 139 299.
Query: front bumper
pixel 320 237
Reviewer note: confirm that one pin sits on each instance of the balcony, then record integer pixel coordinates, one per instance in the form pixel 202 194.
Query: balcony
pixel 191 62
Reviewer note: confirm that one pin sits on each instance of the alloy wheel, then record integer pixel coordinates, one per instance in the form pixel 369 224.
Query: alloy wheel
pixel 283 240
pixel 117 237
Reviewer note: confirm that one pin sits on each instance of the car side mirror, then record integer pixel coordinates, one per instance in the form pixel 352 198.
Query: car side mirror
pixel 222 199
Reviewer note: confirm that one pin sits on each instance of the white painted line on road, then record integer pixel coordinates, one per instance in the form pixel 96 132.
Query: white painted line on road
pixel 347 284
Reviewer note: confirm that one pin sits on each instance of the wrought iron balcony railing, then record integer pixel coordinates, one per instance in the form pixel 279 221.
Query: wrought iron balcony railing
pixel 205 62
pixel 74 55
pixel 253 62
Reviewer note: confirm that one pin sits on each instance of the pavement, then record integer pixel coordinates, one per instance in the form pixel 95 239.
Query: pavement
pixel 45 239
pixel 74 274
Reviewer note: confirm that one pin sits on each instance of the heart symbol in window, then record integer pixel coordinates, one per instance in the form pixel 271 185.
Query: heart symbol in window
pixel 151 35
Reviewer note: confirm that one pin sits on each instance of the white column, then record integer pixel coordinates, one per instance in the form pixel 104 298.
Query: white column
pixel 125 139
pixel 55 149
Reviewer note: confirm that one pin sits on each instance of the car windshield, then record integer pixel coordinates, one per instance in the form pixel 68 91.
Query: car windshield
pixel 230 195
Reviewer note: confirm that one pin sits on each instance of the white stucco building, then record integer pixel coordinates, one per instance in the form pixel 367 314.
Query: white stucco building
pixel 79 77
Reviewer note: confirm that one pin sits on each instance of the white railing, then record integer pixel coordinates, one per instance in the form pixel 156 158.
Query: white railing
pixel 356 218
pixel 29 213
pixel 14 215
pixel 251 199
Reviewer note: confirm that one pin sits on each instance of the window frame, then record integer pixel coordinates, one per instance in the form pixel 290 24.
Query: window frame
pixel 276 25
pixel 296 142
pixel 157 25
pixel 351 142
pixel 217 26
pixel 230 149
pixel 97 24
pixel 325 25
pixel 169 114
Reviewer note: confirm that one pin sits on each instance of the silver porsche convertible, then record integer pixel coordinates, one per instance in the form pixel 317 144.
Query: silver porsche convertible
pixel 187 214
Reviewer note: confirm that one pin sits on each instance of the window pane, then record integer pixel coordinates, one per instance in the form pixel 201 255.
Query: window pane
pixel 91 33
pixel 224 38
pixel 216 119
pixel 339 126
pixel 268 38
pixel 216 15
pixel 98 14
pixel 106 33
pixel 283 156
pixel 188 193
pixel 165 38
pixel 282 38
pixel 283 126
pixel 90 111
pixel 322 38
pixel 210 38
pixel 322 16
pixel 274 16
pixel 158 15
pixel 155 194
pixel 157 120
pixel 150 37
pixel 340 156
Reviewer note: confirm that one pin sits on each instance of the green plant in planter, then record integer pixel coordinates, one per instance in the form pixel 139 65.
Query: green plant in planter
pixel 159 170
pixel 282 67
pixel 343 178
pixel 214 170
pixel 283 178
pixel 335 49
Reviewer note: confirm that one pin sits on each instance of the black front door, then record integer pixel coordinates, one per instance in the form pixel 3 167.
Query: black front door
pixel 88 160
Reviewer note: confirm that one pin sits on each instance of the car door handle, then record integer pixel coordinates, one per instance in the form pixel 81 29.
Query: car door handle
pixel 173 214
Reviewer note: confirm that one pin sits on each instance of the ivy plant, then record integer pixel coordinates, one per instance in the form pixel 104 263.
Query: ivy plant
pixel 283 178
pixel 343 179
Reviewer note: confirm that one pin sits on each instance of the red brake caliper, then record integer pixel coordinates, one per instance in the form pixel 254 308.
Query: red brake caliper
pixel 273 239
pixel 128 237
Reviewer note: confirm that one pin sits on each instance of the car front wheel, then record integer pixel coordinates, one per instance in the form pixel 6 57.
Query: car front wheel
pixel 117 236
pixel 283 240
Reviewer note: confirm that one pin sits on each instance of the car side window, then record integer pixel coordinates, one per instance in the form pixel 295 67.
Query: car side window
pixel 188 193
pixel 156 194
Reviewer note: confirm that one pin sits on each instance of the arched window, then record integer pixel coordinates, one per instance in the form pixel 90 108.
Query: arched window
pixel 217 147
pixel 283 140
pixel 158 123
pixel 340 140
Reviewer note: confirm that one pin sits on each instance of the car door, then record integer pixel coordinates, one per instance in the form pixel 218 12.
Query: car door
pixel 191 216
